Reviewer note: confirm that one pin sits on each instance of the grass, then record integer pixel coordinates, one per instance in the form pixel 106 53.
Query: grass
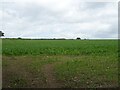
pixel 17 82
pixel 88 71
pixel 59 47
pixel 77 63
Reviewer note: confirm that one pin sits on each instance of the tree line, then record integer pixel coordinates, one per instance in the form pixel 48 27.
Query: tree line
pixel 78 38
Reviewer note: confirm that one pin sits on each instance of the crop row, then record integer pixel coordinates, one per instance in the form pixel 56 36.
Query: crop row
pixel 59 47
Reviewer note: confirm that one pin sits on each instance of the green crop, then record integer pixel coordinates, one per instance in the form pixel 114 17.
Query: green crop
pixel 59 47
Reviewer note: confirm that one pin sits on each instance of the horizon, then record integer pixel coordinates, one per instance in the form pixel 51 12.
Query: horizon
pixel 60 38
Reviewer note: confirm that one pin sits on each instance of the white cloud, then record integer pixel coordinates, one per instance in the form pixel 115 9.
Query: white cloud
pixel 58 18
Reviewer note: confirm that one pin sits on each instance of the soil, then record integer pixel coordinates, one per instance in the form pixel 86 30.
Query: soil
pixel 16 68
pixel 50 76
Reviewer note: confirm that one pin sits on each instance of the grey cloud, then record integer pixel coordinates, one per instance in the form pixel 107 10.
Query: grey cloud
pixel 111 32
pixel 96 5
pixel 34 20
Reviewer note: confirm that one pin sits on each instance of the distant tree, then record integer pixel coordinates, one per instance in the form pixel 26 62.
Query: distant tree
pixel 78 38
pixel 1 33
pixel 19 38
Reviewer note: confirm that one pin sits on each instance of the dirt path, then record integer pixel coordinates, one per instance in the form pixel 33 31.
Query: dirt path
pixel 16 67
pixel 50 76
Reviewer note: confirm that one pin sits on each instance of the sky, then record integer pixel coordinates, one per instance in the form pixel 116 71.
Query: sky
pixel 59 19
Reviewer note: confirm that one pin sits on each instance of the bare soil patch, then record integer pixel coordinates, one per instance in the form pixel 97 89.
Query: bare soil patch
pixel 16 75
pixel 51 81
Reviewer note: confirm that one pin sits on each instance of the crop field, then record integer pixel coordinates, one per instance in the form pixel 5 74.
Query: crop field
pixel 59 63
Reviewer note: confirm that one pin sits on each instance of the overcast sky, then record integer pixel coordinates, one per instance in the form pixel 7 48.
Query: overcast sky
pixel 59 19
